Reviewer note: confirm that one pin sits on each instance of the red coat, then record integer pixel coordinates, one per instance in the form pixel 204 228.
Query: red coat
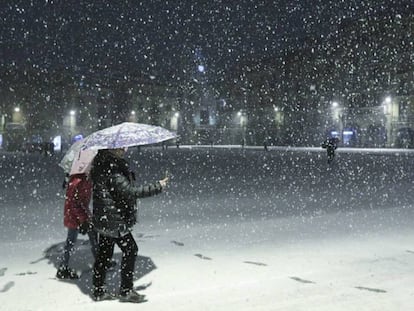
pixel 78 196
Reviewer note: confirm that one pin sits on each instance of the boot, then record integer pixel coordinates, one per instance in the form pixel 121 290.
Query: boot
pixel 100 294
pixel 65 272
pixel 131 296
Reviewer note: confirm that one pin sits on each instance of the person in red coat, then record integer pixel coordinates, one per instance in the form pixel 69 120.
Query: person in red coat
pixel 77 218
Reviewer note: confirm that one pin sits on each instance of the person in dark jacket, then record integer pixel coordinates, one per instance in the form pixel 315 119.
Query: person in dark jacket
pixel 77 218
pixel 114 215
pixel 330 144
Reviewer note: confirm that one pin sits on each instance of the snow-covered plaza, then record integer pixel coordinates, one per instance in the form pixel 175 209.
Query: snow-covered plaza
pixel 236 229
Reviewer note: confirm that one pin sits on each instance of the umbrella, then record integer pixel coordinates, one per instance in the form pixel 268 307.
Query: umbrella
pixel 127 134
pixel 77 160
pixel 80 155
pixel 83 162
pixel 67 160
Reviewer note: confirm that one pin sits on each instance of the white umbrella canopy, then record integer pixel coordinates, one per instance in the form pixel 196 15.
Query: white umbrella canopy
pixel 83 162
pixel 127 134
pixel 78 159
pixel 67 160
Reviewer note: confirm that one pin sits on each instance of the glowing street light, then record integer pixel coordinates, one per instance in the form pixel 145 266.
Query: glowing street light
pixel 174 121
pixel 17 116
pixel 132 116
pixel 72 120
pixel 387 104
pixel 201 68
pixel 388 99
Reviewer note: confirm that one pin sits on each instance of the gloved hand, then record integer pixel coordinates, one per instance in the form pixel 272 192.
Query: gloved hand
pixel 85 227
pixel 164 182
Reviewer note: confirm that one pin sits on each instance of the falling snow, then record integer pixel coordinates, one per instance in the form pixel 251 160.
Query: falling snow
pixel 254 217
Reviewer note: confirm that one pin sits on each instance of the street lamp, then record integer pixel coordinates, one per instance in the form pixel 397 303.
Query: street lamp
pixel 133 116
pixel 278 116
pixel 243 124
pixel 338 119
pixel 243 118
pixel 388 99
pixel 335 110
pixel 72 120
pixel 174 121
pixel 387 104
pixel 17 115
pixel 389 116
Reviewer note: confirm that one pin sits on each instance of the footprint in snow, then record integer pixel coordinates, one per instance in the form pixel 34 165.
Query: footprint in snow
pixel 255 263
pixel 7 287
pixel 25 273
pixel 202 257
pixel 145 236
pixel 295 278
pixel 177 243
pixel 151 236
pixel 375 290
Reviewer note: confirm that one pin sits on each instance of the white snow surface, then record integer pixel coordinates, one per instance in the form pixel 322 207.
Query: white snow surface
pixel 235 230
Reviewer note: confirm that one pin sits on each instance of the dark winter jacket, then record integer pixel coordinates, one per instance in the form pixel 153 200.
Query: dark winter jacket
pixel 330 144
pixel 114 195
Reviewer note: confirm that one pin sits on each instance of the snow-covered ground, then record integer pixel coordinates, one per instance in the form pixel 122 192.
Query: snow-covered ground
pixel 235 230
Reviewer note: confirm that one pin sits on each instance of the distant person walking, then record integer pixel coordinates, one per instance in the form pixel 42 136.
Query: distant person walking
pixel 114 215
pixel 77 218
pixel 265 144
pixel 177 142
pixel 330 144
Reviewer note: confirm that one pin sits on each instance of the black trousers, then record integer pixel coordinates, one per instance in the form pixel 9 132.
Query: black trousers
pixel 330 153
pixel 129 250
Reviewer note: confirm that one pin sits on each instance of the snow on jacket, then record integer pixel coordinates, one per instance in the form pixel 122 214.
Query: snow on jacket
pixel 78 196
pixel 114 195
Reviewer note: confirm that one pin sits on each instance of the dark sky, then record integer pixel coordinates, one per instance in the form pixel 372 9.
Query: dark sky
pixel 162 37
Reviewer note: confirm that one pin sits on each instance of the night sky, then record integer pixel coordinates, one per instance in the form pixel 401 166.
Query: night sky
pixel 165 38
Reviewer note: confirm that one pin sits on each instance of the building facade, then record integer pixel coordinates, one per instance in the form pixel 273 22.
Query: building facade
pixel 357 83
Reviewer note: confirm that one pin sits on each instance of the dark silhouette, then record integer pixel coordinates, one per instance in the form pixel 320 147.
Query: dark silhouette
pixel 330 144
pixel 265 145
pixel 114 215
